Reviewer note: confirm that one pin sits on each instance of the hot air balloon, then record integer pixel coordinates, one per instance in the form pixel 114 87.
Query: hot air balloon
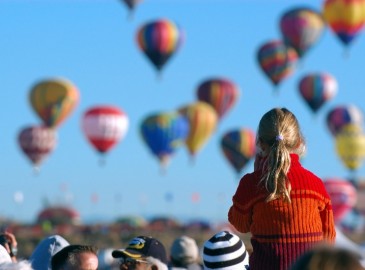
pixel 220 93
pixel 131 4
pixel 317 88
pixel 342 115
pixel 104 126
pixel 346 18
pixel 159 40
pixel 301 28
pixel 350 146
pixel 164 133
pixel 277 60
pixel 53 100
pixel 239 147
pixel 343 196
pixel 37 142
pixel 203 120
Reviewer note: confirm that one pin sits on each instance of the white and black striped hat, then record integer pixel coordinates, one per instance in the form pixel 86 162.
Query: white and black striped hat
pixel 225 251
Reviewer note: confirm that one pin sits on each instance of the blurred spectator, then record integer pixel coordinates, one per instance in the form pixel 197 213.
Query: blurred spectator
pixel 142 253
pixel 20 265
pixel 8 241
pixel 75 257
pixel 184 253
pixel 225 250
pixel 328 258
pixel 42 254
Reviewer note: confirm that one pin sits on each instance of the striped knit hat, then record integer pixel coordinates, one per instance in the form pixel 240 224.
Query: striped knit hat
pixel 225 251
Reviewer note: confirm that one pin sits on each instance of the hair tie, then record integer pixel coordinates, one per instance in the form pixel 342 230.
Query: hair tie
pixel 279 137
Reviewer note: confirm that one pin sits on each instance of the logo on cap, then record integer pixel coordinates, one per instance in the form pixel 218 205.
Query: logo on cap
pixel 137 243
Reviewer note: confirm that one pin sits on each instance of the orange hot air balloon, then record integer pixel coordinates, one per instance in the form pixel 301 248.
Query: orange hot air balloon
pixel 53 100
pixel 203 120
pixel 345 17
pixel 220 93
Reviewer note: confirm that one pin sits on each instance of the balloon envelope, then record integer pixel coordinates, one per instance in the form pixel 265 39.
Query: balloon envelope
pixel 341 115
pixel 239 147
pixel 277 60
pixel 164 133
pixel 131 4
pixel 37 142
pixel 220 93
pixel 301 28
pixel 346 18
pixel 317 88
pixel 203 120
pixel 104 126
pixel 343 196
pixel 159 40
pixel 53 100
pixel 350 146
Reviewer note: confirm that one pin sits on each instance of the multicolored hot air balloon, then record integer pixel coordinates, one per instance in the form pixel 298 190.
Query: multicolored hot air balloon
pixel 350 146
pixel 220 93
pixel 317 88
pixel 53 100
pixel 104 126
pixel 239 147
pixel 37 142
pixel 203 120
pixel 164 133
pixel 345 17
pixel 159 40
pixel 343 196
pixel 277 60
pixel 301 28
pixel 342 115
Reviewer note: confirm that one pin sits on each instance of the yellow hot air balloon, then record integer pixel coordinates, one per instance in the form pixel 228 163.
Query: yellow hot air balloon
pixel 203 121
pixel 53 100
pixel 350 146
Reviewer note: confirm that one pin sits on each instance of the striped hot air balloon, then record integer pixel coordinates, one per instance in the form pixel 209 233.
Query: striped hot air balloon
pixel 341 115
pixel 159 40
pixel 220 93
pixel 277 60
pixel 317 88
pixel 346 18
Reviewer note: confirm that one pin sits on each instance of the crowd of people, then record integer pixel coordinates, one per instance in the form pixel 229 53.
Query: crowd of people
pixel 284 207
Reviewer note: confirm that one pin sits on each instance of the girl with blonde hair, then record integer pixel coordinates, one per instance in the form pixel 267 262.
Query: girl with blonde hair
pixel 284 206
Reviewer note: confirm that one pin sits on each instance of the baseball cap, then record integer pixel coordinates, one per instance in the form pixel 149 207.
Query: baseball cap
pixel 184 250
pixel 143 246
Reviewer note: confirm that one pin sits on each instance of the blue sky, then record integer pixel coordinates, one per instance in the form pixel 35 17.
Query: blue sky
pixel 92 43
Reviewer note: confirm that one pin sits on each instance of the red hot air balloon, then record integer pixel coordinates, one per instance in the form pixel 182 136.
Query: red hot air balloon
pixel 277 60
pixel 220 93
pixel 104 126
pixel 317 88
pixel 159 40
pixel 343 196
pixel 37 142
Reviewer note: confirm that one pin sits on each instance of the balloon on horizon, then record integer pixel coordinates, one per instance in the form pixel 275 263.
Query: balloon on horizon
pixel 104 126
pixel 159 40
pixel 316 89
pixel 37 142
pixel 220 93
pixel 301 28
pixel 53 100
pixel 346 18
pixel 277 60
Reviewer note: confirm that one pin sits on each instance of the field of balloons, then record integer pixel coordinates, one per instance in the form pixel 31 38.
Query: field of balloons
pixel 72 90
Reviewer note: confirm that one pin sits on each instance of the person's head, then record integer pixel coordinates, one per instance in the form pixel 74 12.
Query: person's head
pixel 328 258
pixel 279 135
pixel 225 251
pixel 184 251
pixel 75 257
pixel 142 253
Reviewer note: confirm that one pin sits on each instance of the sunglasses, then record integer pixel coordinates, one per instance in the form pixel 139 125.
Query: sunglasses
pixel 131 262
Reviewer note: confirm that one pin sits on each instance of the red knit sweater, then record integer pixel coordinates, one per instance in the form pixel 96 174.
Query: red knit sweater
pixel 282 231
